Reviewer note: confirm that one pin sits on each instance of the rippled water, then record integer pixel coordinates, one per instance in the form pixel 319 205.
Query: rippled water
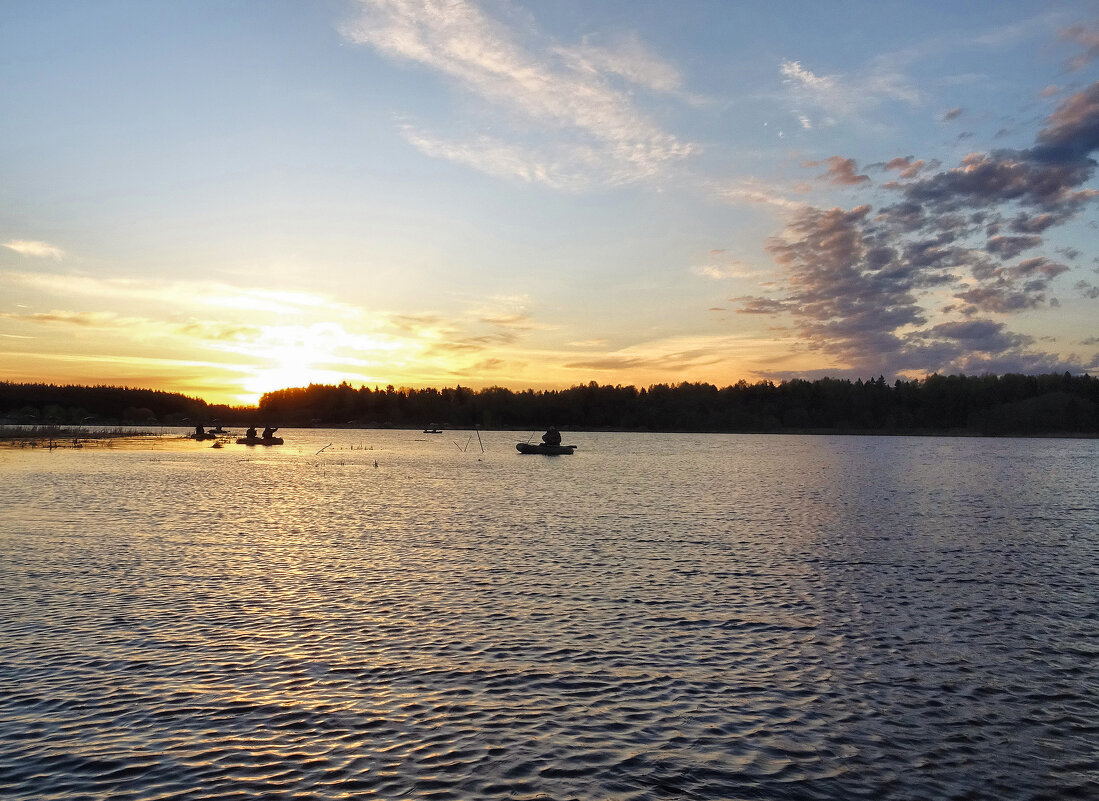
pixel 657 616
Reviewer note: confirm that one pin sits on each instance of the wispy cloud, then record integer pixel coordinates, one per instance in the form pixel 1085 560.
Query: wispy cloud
pixel 755 192
pixel 722 270
pixel 564 97
pixel 557 165
pixel 41 250
pixel 836 97
pixel 1087 37
pixel 83 319
pixel 681 358
pixel 178 294
pixel 629 58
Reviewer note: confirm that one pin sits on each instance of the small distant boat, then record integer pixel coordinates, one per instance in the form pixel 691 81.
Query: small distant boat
pixel 207 435
pixel 433 431
pixel 218 430
pixel 544 449
pixel 259 440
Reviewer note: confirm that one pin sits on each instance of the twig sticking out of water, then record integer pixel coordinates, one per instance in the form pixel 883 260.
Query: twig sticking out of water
pixel 329 445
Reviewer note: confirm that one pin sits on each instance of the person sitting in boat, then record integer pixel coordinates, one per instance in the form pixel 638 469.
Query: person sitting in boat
pixel 552 436
pixel 251 432
pixel 200 432
pixel 269 432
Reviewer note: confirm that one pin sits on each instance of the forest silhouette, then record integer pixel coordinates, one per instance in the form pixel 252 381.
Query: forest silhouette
pixel 958 404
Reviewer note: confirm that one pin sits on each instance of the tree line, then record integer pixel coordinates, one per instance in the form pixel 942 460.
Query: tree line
pixel 1009 404
pixel 71 404
pixel 990 405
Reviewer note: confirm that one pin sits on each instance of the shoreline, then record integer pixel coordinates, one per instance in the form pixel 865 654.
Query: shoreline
pixel 54 437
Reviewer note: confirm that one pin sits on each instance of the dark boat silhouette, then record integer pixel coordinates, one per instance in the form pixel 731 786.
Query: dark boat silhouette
pixel 544 449
pixel 259 440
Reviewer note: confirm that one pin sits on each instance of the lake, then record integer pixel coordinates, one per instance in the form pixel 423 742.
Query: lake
pixel 401 615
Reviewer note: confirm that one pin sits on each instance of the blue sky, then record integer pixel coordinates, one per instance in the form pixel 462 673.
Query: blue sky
pixel 224 198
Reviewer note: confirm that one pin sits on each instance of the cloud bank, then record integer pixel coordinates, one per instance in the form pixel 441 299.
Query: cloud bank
pixel 861 284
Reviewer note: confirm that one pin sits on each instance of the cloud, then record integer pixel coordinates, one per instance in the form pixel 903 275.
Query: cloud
pixel 1000 298
pixel 983 337
pixel 797 75
pixel 41 250
pixel 953 114
pixel 564 98
pixel 835 96
pixel 628 58
pixel 557 165
pixel 1046 178
pixel 1025 223
pixel 217 331
pixel 1087 290
pixel 521 321
pixel 179 295
pixel 665 358
pixel 1072 133
pixel 1008 247
pixel 753 304
pixel 983 180
pixel 721 272
pixel 756 193
pixel 1087 37
pixel 909 167
pixel 841 171
pixel 84 319
pixel 847 293
pixel 858 283
pixel 483 366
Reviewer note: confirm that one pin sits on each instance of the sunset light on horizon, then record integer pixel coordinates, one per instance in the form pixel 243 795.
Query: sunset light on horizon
pixel 228 199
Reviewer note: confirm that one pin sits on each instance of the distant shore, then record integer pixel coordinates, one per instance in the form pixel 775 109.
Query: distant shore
pixel 71 436
pixel 60 436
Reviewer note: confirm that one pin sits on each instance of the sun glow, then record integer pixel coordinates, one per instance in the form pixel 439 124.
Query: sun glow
pixel 321 353
pixel 282 376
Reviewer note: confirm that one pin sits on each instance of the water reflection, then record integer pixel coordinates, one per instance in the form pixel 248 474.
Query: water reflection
pixel 707 616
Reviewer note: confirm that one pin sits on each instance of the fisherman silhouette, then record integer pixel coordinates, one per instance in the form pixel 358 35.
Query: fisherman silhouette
pixel 552 436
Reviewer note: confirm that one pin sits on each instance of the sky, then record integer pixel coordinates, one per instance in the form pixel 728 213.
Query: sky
pixel 228 198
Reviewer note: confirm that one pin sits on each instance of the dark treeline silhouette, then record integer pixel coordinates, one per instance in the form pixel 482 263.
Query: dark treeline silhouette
pixel 53 404
pixel 1009 404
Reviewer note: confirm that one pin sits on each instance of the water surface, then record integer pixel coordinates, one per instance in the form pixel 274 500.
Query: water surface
pixel 657 616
